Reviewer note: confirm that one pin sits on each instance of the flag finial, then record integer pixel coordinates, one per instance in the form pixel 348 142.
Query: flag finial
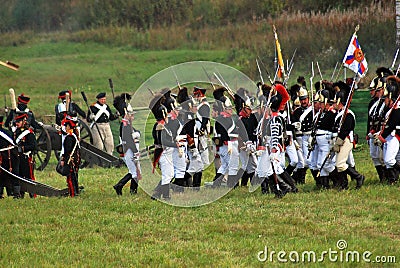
pixel 357 28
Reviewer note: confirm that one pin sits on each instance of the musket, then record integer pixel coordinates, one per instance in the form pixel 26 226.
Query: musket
pixel 311 88
pixel 94 121
pixel 67 102
pixel 345 112
pixel 334 71
pixel 5 105
pixel 389 113
pixel 313 133
pixel 10 65
pixel 225 85
pixel 112 87
pixel 319 71
pixel 208 76
pixel 291 63
pixel 397 71
pixel 176 79
pixel 394 59
pixel 259 71
pixel 266 70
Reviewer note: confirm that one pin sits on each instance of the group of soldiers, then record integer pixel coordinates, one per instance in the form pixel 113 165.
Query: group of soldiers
pixel 254 138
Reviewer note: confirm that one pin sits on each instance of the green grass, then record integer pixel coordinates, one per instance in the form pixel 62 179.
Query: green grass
pixel 99 229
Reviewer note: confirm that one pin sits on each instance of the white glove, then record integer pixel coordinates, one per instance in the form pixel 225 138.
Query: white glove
pixel 195 152
pixel 297 125
pixel 136 135
pixel 92 116
pixel 274 157
pixel 230 149
pixel 40 123
pixel 136 156
pixel 296 144
pixel 248 146
pixel 180 152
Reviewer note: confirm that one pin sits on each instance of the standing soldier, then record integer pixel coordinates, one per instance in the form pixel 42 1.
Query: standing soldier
pixel 130 149
pixel 24 138
pixel 100 115
pixel 22 106
pixel 376 113
pixel 61 108
pixel 389 135
pixel 70 153
pixel 344 132
pixel 8 159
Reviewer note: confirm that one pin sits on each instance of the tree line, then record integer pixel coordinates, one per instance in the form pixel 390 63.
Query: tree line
pixel 75 15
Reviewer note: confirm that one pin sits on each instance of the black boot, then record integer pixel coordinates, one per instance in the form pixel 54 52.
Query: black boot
pixel 276 186
pixel 217 180
pixel 381 173
pixel 352 172
pixel 324 182
pixel 392 175
pixel 197 180
pixel 157 192
pixel 301 177
pixel 289 180
pixel 317 179
pixel 134 186
pixel 245 179
pixel 334 177
pixel 187 180
pixel 264 186
pixel 289 169
pixel 233 180
pixel 118 187
pixel 1 192
pixel 165 191
pixel 17 191
pixel 179 184
pixel 342 181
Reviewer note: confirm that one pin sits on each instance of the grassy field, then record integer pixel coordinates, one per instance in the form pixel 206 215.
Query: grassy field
pixel 99 229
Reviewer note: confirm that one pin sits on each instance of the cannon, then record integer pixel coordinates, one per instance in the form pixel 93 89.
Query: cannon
pixel 48 139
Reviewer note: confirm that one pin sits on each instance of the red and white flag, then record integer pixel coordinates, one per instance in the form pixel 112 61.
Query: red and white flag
pixel 354 58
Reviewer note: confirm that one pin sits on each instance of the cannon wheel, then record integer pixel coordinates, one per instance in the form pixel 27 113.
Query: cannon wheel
pixel 43 152
pixel 86 135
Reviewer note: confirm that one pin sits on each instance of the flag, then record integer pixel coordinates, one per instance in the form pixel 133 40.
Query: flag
pixel 281 66
pixel 354 58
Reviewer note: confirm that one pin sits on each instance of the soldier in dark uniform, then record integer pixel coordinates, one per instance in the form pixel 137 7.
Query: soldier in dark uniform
pixel 70 153
pixel 24 138
pixel 376 113
pixel 8 159
pixel 227 139
pixel 61 109
pixel 100 115
pixel 22 106
pixel 324 135
pixel 302 120
pixel 164 144
pixel 389 135
pixel 247 137
pixel 344 131
pixel 130 149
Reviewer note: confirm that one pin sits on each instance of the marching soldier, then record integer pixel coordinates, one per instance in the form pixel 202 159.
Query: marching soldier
pixel 164 144
pixel 323 136
pixel 70 153
pixel 344 132
pixel 24 138
pixel 248 145
pixel 376 113
pixel 61 108
pixel 227 139
pixel 179 150
pixel 100 115
pixel 303 123
pixel 389 135
pixel 130 150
